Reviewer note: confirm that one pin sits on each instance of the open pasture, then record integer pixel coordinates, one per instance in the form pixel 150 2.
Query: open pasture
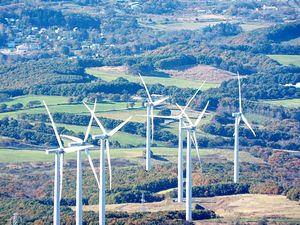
pixel 17 156
pixel 287 59
pixel 50 100
pixel 112 73
pixel 70 108
pixel 290 103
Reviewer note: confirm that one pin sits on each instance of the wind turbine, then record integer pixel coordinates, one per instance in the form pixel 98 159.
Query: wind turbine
pixel 79 142
pixel 150 105
pixel 191 135
pixel 58 172
pixel 180 156
pixel 238 116
pixel 104 140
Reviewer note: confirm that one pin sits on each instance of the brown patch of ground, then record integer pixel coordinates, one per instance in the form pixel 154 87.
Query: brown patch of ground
pixel 244 206
pixel 202 72
pixel 116 69
pixel 252 206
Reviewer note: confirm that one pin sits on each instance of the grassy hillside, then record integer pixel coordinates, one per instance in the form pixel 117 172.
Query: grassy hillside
pixel 112 74
pixel 287 59
pixel 290 103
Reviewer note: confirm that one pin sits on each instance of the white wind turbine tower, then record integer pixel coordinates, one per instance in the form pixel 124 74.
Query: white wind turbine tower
pixel 79 142
pixel 180 156
pixel 58 173
pixel 191 135
pixel 104 139
pixel 150 105
pixel 238 116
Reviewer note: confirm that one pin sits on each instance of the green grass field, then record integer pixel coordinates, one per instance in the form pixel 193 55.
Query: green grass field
pixel 109 75
pixel 290 103
pixel 50 100
pixel 17 156
pixel 69 108
pixel 122 137
pixel 287 59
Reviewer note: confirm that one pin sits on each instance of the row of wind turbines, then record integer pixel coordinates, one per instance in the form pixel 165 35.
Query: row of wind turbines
pixel 79 145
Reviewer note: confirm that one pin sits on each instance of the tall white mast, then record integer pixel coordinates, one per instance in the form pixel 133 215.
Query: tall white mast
pixel 104 140
pixel 150 128
pixel 238 116
pixel 191 136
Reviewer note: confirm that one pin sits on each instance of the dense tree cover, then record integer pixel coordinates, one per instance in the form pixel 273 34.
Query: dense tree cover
pixel 279 135
pixel 177 61
pixel 160 6
pixel 45 17
pixel 37 134
pixel 41 72
pixel 31 211
pixel 222 29
pixel 277 33
pixel 293 194
pixel 264 86
pixel 217 190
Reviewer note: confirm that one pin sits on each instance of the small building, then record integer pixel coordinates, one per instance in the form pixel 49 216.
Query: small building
pixel 22 48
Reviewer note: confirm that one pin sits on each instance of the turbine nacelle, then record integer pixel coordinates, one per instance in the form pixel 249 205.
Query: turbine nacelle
pixel 237 114
pixel 55 151
pixel 100 136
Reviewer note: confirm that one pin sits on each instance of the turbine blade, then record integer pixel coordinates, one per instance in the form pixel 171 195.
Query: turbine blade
pixel 240 93
pixel 152 124
pixel 196 146
pixel 77 148
pixel 186 116
pixel 116 129
pixel 248 124
pixel 166 117
pixel 54 126
pixel 61 165
pixel 201 115
pixel 184 124
pixel 239 120
pixel 92 166
pixel 76 139
pixel 191 99
pixel 90 124
pixel 109 163
pixel 160 101
pixel 147 91
pixel 95 117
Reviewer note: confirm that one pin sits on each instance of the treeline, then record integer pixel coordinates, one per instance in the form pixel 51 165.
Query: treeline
pixel 41 73
pixel 82 120
pixel 36 134
pixel 160 6
pixel 267 137
pixel 45 17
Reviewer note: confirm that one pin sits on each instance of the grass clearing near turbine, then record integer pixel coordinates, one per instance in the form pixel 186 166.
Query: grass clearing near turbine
pixel 122 137
pixel 289 103
pixel 71 108
pixel 252 206
pixel 109 75
pixel 14 156
pixel 50 100
pixel 287 59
